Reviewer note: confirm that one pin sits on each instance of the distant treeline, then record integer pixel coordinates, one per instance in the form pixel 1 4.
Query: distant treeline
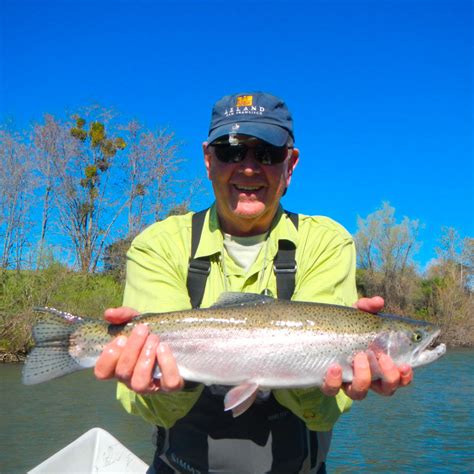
pixel 442 295
pixel 90 183
pixel 71 187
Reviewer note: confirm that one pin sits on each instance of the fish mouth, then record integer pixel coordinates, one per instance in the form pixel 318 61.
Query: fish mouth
pixel 429 351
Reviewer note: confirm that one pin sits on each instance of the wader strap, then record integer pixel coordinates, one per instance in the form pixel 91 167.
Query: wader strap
pixel 284 264
pixel 199 268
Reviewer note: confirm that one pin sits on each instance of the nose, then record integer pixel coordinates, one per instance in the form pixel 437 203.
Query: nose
pixel 249 165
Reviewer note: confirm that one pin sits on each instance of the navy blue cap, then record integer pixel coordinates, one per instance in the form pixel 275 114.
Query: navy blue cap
pixel 257 114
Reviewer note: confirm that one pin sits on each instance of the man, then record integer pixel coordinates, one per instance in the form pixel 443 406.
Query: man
pixel 250 159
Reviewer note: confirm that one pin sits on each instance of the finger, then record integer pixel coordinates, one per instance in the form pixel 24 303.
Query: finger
pixel 371 305
pixel 142 378
pixel 332 381
pixel 358 388
pixel 171 379
pixel 131 352
pixel 120 315
pixel 106 363
pixel 406 375
pixel 390 379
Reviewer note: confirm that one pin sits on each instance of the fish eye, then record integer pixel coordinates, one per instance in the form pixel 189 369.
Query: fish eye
pixel 417 336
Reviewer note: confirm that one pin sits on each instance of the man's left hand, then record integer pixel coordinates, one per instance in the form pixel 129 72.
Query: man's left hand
pixel 392 377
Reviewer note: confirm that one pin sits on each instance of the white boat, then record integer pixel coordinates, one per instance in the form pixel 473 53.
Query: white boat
pixel 96 451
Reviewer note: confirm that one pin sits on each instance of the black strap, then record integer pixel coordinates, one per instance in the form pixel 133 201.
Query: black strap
pixel 284 264
pixel 199 268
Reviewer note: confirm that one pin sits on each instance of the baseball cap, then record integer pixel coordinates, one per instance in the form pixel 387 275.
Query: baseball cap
pixel 257 114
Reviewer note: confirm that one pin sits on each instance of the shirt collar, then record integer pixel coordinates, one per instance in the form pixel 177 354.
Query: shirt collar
pixel 212 241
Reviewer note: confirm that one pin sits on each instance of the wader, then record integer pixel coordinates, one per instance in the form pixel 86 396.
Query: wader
pixel 267 438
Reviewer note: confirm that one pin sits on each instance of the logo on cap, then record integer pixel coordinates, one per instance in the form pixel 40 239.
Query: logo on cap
pixel 244 101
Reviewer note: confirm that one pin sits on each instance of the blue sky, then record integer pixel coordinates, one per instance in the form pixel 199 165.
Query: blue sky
pixel 380 91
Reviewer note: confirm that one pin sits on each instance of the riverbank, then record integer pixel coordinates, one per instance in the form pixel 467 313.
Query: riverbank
pixel 8 358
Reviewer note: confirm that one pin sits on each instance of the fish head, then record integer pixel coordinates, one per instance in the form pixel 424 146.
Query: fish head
pixel 409 342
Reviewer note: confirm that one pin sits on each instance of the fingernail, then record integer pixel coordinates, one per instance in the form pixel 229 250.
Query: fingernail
pixel 404 371
pixel 335 371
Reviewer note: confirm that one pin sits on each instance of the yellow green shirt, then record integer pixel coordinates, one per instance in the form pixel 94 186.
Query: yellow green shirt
pixel 157 266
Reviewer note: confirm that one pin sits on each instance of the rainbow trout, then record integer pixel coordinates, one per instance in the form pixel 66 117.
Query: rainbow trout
pixel 245 340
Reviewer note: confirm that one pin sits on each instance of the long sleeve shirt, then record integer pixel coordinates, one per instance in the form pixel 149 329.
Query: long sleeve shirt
pixel 157 265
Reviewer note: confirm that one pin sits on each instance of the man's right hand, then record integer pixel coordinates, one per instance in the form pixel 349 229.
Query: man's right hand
pixel 132 360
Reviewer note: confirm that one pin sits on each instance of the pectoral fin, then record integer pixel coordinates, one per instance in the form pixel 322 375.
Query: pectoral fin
pixel 239 399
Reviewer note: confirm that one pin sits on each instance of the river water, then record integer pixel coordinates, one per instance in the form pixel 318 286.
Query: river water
pixel 427 427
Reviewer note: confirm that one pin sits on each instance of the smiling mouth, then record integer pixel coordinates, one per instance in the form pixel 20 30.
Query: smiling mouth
pixel 247 188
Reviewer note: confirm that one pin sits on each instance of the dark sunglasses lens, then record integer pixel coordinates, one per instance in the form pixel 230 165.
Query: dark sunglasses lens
pixel 271 155
pixel 265 154
pixel 230 153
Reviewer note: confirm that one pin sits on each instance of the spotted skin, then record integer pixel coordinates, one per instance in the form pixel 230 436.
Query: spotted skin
pixel 242 339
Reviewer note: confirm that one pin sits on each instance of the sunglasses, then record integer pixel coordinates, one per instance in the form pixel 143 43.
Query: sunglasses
pixel 264 153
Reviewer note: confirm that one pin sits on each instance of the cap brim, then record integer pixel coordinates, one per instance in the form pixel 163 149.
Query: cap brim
pixel 272 134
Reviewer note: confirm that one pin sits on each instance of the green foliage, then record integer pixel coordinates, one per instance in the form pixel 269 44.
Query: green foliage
pixel 97 133
pixel 108 148
pixel 139 190
pixel 91 178
pixel 86 209
pixel 79 134
pixel 55 286
pixel 179 209
pixel 120 143
pixel 91 171
pixel 115 258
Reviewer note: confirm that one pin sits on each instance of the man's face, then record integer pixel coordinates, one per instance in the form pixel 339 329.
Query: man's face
pixel 248 192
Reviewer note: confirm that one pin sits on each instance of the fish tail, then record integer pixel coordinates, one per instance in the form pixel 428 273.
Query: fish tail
pixel 50 357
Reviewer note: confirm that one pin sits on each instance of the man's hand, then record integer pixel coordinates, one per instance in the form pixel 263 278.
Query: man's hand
pixel 392 378
pixel 132 360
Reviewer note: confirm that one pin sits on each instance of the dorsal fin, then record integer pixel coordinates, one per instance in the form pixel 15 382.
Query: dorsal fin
pixel 234 298
pixel 61 314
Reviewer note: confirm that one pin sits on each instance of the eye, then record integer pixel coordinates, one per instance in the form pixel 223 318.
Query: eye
pixel 417 336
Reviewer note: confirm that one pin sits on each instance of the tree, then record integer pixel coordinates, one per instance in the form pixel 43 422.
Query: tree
pixel 115 258
pixel 151 176
pixel 456 257
pixel 86 214
pixel 89 179
pixel 386 249
pixel 51 142
pixel 15 197
pixel 448 289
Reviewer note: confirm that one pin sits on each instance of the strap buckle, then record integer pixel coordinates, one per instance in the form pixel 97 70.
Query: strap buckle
pixel 202 267
pixel 285 267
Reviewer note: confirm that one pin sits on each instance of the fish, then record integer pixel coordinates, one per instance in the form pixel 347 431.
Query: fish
pixel 245 341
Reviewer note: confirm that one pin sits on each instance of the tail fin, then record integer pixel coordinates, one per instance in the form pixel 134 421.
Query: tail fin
pixel 50 357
